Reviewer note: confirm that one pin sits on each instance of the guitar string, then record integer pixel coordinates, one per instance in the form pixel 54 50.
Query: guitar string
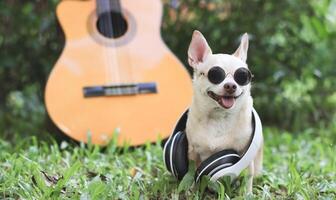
pixel 130 67
pixel 111 50
pixel 118 30
pixel 115 31
pixel 118 27
pixel 116 52
pixel 111 58
pixel 103 29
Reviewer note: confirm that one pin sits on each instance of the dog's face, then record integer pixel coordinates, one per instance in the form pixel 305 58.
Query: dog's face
pixel 220 80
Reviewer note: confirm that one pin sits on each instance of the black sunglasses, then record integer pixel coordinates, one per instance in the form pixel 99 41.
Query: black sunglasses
pixel 242 75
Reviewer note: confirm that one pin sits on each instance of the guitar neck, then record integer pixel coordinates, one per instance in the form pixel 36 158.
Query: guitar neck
pixel 104 6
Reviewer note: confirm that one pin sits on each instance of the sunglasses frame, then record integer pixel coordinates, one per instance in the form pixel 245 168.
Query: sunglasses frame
pixel 250 75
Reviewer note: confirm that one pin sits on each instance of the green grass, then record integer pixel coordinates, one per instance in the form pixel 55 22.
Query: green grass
pixel 296 166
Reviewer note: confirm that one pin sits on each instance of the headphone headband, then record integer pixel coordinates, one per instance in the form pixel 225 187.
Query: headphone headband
pixel 219 164
pixel 251 152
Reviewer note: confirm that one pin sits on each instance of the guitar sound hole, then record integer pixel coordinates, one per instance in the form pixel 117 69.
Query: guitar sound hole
pixel 112 24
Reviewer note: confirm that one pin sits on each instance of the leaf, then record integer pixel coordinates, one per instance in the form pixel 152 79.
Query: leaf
pixel 221 191
pixel 96 188
pixel 66 176
pixel 188 179
pixel 186 182
pixel 52 180
pixel 205 180
pixel 91 175
pixel 39 181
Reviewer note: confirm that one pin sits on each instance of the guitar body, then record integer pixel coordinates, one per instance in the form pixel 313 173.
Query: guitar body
pixel 90 59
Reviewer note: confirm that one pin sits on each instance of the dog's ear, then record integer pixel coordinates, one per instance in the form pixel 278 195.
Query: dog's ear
pixel 241 52
pixel 198 49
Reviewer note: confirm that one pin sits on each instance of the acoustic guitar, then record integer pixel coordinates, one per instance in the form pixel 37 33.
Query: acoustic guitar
pixel 115 74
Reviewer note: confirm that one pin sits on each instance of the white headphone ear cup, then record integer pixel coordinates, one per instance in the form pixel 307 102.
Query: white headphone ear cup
pixel 176 154
pixel 217 162
pixel 180 156
pixel 169 146
pixel 166 154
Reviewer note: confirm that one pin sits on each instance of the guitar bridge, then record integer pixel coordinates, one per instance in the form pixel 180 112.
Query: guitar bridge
pixel 120 89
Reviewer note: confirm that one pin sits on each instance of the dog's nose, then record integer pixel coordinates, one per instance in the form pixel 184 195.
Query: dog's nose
pixel 230 87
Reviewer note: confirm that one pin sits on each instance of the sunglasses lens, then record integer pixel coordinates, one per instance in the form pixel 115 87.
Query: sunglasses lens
pixel 216 75
pixel 242 76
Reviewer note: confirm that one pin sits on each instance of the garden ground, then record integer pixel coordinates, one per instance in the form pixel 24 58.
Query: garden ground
pixel 296 166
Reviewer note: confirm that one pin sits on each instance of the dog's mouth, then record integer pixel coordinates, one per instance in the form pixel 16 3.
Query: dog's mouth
pixel 226 101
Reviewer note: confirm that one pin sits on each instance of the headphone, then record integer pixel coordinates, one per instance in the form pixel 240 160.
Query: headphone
pixel 223 163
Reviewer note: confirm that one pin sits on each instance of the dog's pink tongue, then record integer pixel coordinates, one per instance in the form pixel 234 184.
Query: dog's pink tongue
pixel 227 102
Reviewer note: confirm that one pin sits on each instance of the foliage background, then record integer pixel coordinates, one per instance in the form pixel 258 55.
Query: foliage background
pixel 292 54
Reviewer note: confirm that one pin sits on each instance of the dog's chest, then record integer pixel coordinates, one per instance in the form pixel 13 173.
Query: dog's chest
pixel 210 136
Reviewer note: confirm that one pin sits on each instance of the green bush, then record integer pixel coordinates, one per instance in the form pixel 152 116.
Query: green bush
pixel 291 53
pixel 30 44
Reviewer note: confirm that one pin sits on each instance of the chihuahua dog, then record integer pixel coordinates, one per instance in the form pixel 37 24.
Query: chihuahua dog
pixel 221 111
